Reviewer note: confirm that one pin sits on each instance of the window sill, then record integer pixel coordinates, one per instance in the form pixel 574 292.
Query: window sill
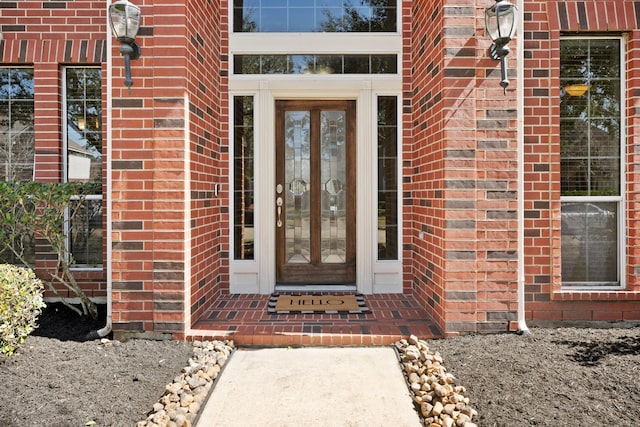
pixel 584 294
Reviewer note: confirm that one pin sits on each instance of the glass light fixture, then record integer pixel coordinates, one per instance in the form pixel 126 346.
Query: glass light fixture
pixel 501 23
pixel 124 18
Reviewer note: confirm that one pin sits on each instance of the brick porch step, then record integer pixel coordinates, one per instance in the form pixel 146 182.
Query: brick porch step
pixel 246 320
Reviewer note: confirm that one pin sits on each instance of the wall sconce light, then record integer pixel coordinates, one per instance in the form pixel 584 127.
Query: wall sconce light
pixel 124 18
pixel 501 22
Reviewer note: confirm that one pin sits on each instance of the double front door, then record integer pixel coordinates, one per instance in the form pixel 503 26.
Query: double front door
pixel 315 192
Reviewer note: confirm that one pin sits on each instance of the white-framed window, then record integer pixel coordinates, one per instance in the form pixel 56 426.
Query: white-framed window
pixel 388 218
pixel 17 141
pixel 17 114
pixel 82 147
pixel 592 161
pixel 243 178
pixel 287 16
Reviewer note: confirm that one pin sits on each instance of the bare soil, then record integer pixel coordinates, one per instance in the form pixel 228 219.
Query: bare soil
pixel 553 377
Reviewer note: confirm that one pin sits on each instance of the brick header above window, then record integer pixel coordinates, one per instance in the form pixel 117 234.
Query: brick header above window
pixel 619 15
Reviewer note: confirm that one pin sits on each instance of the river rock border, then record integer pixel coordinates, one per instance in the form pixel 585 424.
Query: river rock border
pixel 437 398
pixel 182 399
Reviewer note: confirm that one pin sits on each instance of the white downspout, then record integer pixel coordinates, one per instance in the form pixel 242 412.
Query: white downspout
pixel 106 330
pixel 522 325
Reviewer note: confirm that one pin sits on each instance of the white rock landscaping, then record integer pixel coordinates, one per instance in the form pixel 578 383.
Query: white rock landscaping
pixel 182 399
pixel 438 399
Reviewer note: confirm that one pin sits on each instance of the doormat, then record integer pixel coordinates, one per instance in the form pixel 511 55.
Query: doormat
pixel 314 304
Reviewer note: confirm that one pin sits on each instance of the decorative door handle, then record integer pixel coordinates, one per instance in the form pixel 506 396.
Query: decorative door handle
pixel 279 209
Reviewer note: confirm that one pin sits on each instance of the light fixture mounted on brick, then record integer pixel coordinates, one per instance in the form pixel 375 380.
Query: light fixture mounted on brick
pixel 501 22
pixel 124 18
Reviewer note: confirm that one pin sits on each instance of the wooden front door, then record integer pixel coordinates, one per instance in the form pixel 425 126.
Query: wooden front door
pixel 315 192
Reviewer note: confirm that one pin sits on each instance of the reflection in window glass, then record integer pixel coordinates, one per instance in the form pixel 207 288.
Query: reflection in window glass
pixel 243 184
pixel 590 243
pixel 83 106
pixel 369 16
pixel 84 125
pixel 590 160
pixel 590 117
pixel 17 143
pixel 85 234
pixel 315 64
pixel 387 178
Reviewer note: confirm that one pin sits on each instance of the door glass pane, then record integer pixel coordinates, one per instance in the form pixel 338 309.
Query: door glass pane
pixel 333 186
pixel 297 165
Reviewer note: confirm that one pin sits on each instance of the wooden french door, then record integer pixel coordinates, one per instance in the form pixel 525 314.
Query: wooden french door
pixel 315 192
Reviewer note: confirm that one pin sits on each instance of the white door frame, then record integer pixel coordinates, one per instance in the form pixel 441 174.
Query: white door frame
pixel 258 275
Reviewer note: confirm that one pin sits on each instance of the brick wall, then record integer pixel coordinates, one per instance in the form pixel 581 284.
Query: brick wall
pixel 46 36
pixel 170 154
pixel 462 173
pixel 150 250
pixel 544 23
pixel 170 157
pixel 423 156
pixel 206 83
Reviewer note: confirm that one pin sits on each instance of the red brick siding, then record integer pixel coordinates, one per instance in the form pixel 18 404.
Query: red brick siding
pixel 149 197
pixel 459 157
pixel 208 108
pixel 544 24
pixel 423 159
pixel 47 36
pixel 463 172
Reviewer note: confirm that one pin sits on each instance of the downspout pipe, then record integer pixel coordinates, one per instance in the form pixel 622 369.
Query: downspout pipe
pixel 106 330
pixel 522 324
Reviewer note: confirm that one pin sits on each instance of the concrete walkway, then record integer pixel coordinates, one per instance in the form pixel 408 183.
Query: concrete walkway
pixel 312 386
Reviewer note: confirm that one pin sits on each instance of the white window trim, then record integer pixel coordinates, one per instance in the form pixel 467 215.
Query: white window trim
pixel 622 212
pixel 65 168
pixel 258 275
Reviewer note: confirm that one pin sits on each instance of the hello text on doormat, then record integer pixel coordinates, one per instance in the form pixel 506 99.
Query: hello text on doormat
pixel 311 304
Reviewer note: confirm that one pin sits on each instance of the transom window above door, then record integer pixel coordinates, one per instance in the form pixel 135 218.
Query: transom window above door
pixel 286 16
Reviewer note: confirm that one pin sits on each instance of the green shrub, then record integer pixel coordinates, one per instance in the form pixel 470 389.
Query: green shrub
pixel 20 304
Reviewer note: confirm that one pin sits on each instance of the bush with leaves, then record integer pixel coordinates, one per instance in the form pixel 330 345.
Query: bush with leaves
pixel 30 210
pixel 20 305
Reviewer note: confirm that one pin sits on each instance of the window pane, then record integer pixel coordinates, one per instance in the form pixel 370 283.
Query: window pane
pixel 590 243
pixel 310 16
pixel 17 143
pixel 315 64
pixel 301 19
pixel 243 178
pixel 84 125
pixel 590 117
pixel 85 234
pixel 356 64
pixel 387 178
